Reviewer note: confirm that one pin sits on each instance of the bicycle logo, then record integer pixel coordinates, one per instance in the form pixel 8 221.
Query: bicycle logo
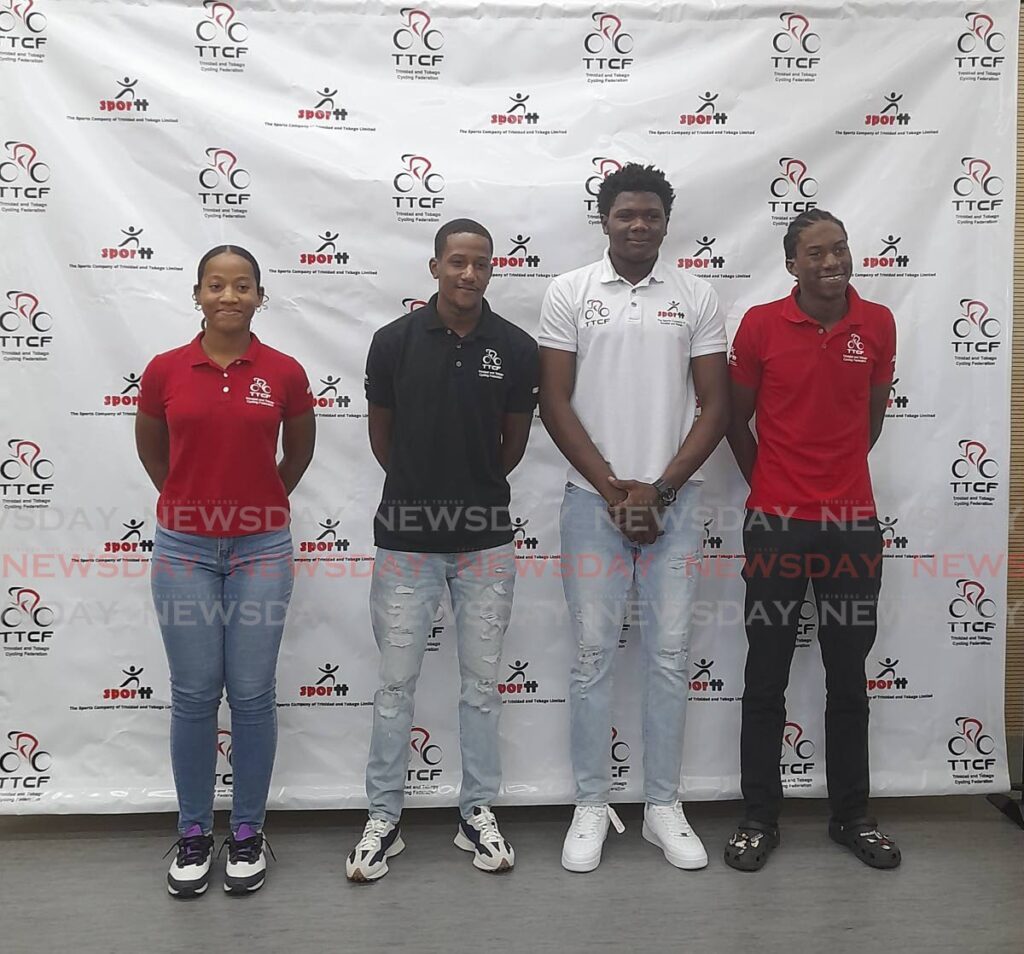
pixel 620 748
pixel 417 169
pixel 794 175
pixel 259 388
pixel 595 309
pixel 793 736
pixel 980 27
pixel 972 597
pixel 417 26
pixel 970 734
pixel 974 456
pixel 797 31
pixel 25 454
pixel 608 30
pixel 605 167
pixel 428 751
pixel 25 606
pixel 23 158
pixel 221 15
pixel 224 744
pixel 975 316
pixel 24 750
pixel 24 307
pixel 224 163
pixel 491 359
pixel 855 345
pixel 22 10
pixel 978 172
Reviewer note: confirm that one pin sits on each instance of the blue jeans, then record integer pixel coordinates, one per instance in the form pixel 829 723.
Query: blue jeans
pixel 404 596
pixel 599 567
pixel 221 603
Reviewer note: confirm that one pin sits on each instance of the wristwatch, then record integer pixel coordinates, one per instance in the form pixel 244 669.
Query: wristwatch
pixel 666 492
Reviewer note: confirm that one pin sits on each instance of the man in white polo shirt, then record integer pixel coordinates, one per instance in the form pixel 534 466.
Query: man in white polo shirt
pixel 628 345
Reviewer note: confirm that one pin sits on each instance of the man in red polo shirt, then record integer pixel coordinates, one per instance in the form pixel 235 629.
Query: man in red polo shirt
pixel 816 366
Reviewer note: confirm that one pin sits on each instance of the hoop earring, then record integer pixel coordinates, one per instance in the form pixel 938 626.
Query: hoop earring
pixel 197 306
pixel 202 324
pixel 263 304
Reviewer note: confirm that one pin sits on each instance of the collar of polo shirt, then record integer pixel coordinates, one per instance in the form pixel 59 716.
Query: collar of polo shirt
pixel 609 276
pixel 197 356
pixel 486 327
pixel 854 309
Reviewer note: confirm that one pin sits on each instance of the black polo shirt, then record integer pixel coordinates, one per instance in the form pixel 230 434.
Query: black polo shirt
pixel 445 490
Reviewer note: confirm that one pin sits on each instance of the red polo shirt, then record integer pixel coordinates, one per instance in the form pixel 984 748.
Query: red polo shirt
pixel 223 425
pixel 812 413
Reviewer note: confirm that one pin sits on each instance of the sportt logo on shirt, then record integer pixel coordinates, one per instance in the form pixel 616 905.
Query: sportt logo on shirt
pixel 972 749
pixel 22 24
pixel 220 33
pixel 26 623
pixel 607 46
pixel 490 365
pixel 974 472
pixel 795 48
pixel 671 314
pixel 976 334
pixel 791 190
pixel 855 349
pixel 22 767
pixel 22 178
pixel 978 49
pixel 971 615
pixel 259 393
pixel 417 42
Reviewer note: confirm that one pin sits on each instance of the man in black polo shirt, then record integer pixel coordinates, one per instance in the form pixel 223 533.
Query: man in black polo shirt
pixel 451 390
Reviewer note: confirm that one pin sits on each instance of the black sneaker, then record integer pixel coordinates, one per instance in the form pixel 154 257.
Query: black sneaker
pixel 864 839
pixel 246 868
pixel 750 845
pixel 189 874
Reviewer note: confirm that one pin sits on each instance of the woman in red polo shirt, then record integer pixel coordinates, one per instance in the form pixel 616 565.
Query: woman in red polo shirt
pixel 207 432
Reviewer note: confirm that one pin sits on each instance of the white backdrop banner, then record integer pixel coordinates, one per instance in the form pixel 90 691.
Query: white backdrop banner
pixel 332 139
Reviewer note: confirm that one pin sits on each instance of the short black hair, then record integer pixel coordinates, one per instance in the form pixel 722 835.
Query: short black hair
pixel 229 250
pixel 633 177
pixel 454 228
pixel 803 221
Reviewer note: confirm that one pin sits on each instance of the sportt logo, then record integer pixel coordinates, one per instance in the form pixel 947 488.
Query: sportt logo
pixel 223 181
pixel 702 680
pixel 25 472
pixel 889 256
pixel 887 678
pixel 23 324
pixel 977 181
pixel 971 615
pixel 518 256
pixel 429 753
pixel 610 40
pixel 328 396
pixel 131 686
pixel 979 44
pixel 326 685
pixel 891 114
pixel 23 763
pixel 707 113
pixel 26 621
pixel 795 46
pixel 790 186
pixel 970 746
pixel 129 247
pixel 516 681
pixel 22 173
pixel 324 108
pixel 221 24
pixel 125 101
pixel 704 257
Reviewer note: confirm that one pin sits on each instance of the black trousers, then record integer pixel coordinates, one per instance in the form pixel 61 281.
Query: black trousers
pixel 843 561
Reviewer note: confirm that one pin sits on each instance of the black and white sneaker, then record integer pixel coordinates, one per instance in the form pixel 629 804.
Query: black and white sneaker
pixel 479 834
pixel 189 874
pixel 368 861
pixel 246 868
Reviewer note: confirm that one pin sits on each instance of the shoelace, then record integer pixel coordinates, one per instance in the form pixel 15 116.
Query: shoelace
pixel 247 850
pixel 587 820
pixel 192 850
pixel 674 818
pixel 372 833
pixel 485 823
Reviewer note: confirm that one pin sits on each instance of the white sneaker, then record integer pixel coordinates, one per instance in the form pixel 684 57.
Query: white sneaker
pixel 189 874
pixel 368 861
pixel 246 868
pixel 479 834
pixel 581 850
pixel 666 826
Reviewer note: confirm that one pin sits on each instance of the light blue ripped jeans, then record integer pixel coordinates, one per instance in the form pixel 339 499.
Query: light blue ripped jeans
pixel 404 596
pixel 599 567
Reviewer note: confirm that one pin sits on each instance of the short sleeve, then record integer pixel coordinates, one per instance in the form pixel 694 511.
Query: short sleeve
pixel 558 328
pixel 298 393
pixel 708 335
pixel 522 396
pixel 152 390
pixel 885 367
pixel 745 354
pixel 380 374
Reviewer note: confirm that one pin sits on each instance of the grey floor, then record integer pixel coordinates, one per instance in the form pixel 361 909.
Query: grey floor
pixel 95 883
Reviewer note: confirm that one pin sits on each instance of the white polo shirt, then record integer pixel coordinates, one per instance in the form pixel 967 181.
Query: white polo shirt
pixel 634 392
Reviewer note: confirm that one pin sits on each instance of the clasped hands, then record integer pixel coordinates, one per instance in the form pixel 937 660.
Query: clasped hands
pixel 636 510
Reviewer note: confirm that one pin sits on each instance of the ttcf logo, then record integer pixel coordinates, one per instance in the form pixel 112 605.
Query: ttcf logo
pixel 429 753
pixel 23 756
pixel 796 37
pixel 417 30
pixel 23 314
pixel 620 755
pixel 26 619
pixel 797 746
pixel 603 167
pixel 26 472
pixel 24 166
pixel 417 173
pixel 326 685
pixel 971 610
pixel 974 460
pixel 223 173
pixel 221 23
pixel 794 181
pixel 970 747
pixel 33 21
pixel 977 180
pixel 977 44
pixel 975 322
pixel 607 38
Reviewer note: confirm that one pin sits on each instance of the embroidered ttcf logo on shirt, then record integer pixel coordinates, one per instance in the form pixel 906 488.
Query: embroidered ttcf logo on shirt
pixel 855 350
pixel 259 393
pixel 490 365
pixel 595 313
